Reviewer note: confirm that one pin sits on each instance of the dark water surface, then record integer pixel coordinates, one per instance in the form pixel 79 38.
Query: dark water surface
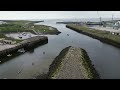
pixel 105 58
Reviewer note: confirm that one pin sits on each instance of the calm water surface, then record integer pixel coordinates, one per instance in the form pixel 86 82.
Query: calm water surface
pixel 105 58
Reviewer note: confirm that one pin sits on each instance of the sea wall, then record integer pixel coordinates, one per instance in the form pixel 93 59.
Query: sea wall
pixel 26 44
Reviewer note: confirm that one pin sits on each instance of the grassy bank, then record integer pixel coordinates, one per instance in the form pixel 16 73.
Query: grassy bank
pixel 87 67
pixel 15 26
pixel 45 29
pixel 26 26
pixel 104 36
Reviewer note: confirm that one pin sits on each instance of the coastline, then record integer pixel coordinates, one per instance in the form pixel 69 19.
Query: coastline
pixel 100 37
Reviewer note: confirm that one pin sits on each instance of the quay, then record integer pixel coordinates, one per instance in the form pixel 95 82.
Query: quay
pixel 26 44
pixel 72 63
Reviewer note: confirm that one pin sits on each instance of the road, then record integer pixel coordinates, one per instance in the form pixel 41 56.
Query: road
pixel 105 28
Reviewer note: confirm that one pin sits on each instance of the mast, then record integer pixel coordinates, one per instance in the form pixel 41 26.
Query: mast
pixel 99 18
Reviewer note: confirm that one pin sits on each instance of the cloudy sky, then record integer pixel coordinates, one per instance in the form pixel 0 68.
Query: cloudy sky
pixel 57 14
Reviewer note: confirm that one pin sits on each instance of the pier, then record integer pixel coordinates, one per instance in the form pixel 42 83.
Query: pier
pixel 26 44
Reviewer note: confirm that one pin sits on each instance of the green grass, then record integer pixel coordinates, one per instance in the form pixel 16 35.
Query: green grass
pixel 14 29
pixel 2 36
pixel 24 26
pixel 45 29
pixel 102 34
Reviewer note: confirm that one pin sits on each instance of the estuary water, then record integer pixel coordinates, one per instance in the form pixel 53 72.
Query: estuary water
pixel 104 57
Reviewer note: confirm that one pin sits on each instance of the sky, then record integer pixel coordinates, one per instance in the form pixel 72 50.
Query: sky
pixel 4 15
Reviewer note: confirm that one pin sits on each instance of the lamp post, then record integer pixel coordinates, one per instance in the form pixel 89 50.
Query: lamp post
pixel 99 18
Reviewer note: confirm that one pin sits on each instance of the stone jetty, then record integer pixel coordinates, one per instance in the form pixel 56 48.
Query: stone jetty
pixel 72 63
pixel 26 44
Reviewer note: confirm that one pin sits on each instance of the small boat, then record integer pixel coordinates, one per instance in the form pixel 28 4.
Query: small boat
pixel 9 55
pixel 20 36
pixel 21 50
pixel 24 34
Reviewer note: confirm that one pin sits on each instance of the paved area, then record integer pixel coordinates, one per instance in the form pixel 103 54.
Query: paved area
pixel 105 28
pixel 2 47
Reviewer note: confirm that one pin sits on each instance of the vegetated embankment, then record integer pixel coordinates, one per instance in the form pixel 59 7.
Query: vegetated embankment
pixel 103 36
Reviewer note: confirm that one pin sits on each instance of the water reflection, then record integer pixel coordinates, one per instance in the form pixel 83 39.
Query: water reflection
pixel 31 51
pixel 16 54
pixel 35 62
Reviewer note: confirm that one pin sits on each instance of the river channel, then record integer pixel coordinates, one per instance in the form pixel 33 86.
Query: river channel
pixel 104 57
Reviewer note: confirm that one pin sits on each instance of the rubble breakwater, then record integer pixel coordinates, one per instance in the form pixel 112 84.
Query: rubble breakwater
pixel 72 63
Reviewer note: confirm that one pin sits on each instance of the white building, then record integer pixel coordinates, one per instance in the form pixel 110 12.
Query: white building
pixel 117 23
pixel 2 22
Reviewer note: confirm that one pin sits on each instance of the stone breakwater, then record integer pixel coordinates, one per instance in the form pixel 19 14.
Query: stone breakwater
pixel 26 44
pixel 72 63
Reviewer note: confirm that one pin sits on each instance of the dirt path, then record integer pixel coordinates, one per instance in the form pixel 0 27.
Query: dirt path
pixel 105 29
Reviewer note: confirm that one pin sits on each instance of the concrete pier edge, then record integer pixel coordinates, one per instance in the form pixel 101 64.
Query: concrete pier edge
pixel 26 44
